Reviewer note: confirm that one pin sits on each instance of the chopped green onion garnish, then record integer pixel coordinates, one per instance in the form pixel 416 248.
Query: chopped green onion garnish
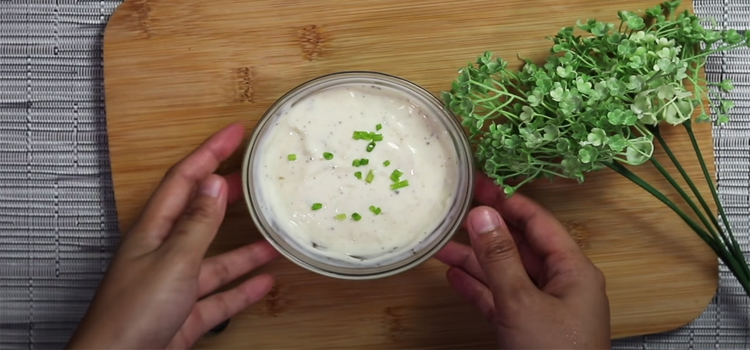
pixel 328 155
pixel 396 175
pixel 356 162
pixel 358 175
pixel 364 161
pixel 362 135
pixel 398 185
pixel 387 163
pixel 317 206
pixel 377 137
pixel 370 146
pixel 378 127
pixel 370 176
pixel 291 157
pixel 341 217
pixel 356 217
pixel 375 210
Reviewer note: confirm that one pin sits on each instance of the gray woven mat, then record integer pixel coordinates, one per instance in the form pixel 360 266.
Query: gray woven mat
pixel 57 217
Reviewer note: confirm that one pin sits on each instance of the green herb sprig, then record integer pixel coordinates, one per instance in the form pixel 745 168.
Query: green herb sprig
pixel 595 99
pixel 598 102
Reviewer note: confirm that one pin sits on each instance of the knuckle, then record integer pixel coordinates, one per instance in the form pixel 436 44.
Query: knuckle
pixel 198 316
pixel 476 299
pixel 498 248
pixel 491 315
pixel 224 307
pixel 174 171
pixel 222 273
pixel 599 279
pixel 180 170
pixel 200 212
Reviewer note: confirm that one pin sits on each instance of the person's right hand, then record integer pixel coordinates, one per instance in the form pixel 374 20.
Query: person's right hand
pixel 528 276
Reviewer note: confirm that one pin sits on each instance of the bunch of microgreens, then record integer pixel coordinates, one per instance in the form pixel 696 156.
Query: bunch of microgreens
pixel 598 102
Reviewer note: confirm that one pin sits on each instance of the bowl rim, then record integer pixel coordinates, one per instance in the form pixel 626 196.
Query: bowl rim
pixel 407 84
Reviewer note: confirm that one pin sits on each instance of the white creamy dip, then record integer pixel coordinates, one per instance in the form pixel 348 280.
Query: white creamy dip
pixel 324 122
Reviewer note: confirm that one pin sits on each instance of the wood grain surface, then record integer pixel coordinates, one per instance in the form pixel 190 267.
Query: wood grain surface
pixel 177 71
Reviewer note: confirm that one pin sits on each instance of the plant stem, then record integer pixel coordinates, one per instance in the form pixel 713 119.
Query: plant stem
pixel 622 170
pixel 684 196
pixel 691 184
pixel 728 259
pixel 709 181
pixel 725 250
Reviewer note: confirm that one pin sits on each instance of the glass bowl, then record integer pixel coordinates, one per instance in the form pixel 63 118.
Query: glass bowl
pixel 279 222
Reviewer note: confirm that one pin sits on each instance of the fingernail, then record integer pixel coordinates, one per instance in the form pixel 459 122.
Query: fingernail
pixel 485 220
pixel 211 187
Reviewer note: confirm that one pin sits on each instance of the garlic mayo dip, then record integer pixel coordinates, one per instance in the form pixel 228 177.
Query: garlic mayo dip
pixel 357 175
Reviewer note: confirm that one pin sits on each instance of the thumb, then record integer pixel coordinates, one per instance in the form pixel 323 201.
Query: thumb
pixel 201 219
pixel 498 256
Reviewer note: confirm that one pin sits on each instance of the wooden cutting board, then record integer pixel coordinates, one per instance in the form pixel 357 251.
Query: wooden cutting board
pixel 177 71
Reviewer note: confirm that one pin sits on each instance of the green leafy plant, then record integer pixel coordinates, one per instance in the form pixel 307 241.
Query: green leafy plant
pixel 598 102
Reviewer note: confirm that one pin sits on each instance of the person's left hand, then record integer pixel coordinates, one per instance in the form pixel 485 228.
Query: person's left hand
pixel 158 290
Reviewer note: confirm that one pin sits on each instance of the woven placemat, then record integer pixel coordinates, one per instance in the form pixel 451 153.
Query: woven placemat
pixel 57 216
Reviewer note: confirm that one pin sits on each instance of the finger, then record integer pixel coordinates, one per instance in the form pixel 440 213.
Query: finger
pixel 222 269
pixel 473 291
pixel 543 232
pixel 234 186
pixel 217 308
pixel 486 191
pixel 461 256
pixel 178 186
pixel 561 268
pixel 541 229
pixel 498 256
pixel 199 223
pixel 565 268
pixel 532 262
